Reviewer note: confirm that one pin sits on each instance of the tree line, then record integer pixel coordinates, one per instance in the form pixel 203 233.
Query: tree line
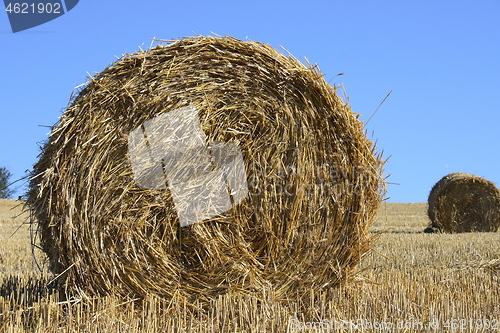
pixel 5 191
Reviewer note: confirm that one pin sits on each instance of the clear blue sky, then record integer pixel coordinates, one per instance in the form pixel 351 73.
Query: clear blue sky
pixel 441 59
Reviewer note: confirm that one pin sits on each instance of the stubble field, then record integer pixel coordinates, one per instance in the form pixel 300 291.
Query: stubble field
pixel 410 282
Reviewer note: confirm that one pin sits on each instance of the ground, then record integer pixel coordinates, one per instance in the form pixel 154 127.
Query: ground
pixel 410 282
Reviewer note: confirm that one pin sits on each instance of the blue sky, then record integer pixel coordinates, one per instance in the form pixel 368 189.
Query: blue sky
pixel 440 59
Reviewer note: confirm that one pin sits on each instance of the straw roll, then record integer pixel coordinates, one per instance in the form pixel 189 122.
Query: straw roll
pixel 204 165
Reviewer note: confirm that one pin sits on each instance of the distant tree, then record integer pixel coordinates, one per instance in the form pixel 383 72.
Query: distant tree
pixel 5 175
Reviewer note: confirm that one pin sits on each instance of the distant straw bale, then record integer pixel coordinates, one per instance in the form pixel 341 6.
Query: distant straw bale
pixel 110 223
pixel 462 202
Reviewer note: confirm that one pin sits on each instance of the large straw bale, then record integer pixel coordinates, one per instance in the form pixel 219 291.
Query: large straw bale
pixel 314 179
pixel 462 202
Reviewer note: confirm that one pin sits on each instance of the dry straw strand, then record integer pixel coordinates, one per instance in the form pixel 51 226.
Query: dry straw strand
pixel 314 178
pixel 462 202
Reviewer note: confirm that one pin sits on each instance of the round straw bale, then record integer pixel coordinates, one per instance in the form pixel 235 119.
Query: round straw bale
pixel 462 202
pixel 313 180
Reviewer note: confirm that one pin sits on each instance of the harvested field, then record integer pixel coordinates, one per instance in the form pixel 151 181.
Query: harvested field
pixel 412 279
